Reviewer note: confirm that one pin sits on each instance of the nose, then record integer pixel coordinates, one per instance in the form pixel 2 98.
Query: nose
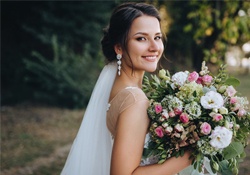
pixel 154 46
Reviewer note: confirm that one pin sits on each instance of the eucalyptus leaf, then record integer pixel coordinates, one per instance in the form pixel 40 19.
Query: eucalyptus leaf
pixel 232 81
pixel 224 168
pixel 233 150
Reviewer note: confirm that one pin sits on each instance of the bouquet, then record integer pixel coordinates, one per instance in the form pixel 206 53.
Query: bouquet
pixel 200 112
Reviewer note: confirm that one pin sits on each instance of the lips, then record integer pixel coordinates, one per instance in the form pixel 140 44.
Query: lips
pixel 150 58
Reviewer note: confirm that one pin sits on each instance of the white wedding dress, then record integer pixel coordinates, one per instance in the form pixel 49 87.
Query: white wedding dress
pixel 90 153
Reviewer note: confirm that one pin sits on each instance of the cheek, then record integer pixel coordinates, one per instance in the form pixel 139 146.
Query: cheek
pixel 161 47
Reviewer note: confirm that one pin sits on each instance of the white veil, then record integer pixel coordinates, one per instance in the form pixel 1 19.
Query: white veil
pixel 90 153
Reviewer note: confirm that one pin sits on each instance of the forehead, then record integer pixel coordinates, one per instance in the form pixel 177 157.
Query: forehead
pixel 145 24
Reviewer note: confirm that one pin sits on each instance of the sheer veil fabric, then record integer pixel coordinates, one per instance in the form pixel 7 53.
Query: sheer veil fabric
pixel 90 153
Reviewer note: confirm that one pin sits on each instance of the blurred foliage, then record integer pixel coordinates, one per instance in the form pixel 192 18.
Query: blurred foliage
pixel 51 49
pixel 67 79
pixel 203 30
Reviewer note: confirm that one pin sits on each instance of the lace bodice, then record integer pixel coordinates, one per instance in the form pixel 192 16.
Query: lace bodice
pixel 123 100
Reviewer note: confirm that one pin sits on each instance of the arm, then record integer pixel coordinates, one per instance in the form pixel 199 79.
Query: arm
pixel 128 145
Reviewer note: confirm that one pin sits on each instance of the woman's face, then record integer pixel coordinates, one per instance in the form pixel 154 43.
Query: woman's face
pixel 144 45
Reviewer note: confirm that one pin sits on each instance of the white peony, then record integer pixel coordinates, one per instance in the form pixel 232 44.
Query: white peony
pixel 221 137
pixel 180 78
pixel 212 100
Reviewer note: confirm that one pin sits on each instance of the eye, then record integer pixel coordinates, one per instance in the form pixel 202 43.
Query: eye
pixel 141 39
pixel 158 37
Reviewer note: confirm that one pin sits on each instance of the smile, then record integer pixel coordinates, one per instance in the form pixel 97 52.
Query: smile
pixel 150 58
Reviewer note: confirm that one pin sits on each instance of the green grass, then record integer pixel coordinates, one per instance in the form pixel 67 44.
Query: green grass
pixel 28 133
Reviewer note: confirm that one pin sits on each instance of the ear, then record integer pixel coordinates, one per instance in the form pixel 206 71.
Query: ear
pixel 118 49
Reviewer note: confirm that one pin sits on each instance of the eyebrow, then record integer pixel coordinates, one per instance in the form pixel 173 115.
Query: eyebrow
pixel 143 33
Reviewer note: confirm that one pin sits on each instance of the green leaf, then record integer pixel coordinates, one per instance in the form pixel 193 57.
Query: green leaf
pixel 232 81
pixel 161 161
pixel 233 150
pixel 224 168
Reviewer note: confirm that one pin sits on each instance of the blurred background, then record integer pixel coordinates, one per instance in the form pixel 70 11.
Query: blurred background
pixel 51 58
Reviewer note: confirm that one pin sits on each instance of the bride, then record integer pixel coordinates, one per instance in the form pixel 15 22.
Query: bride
pixel 115 125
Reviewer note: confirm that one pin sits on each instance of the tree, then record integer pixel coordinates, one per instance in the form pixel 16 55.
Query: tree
pixel 203 30
pixel 42 32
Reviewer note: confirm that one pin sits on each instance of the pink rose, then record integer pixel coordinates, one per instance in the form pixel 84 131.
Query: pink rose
pixel 159 131
pixel 199 80
pixel 171 114
pixel 233 100
pixel 184 117
pixel 230 91
pixel 193 76
pixel 158 108
pixel 217 117
pixel 241 113
pixel 205 128
pixel 207 79
pixel 177 111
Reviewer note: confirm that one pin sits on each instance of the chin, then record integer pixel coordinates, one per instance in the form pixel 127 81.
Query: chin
pixel 151 69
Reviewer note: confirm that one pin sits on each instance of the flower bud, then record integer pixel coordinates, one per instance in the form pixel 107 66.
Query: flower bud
pixel 222 89
pixel 235 170
pixel 241 112
pixel 177 111
pixel 230 91
pixel 218 80
pixel 217 117
pixel 233 100
pixel 161 119
pixel 227 124
pixel 207 79
pixel 215 166
pixel 184 118
pixel 155 125
pixel 179 128
pixel 165 124
pixel 171 114
pixel 223 110
pixel 165 114
pixel 237 126
pixel 169 129
pixel 162 73
pixel 158 108
pixel 215 110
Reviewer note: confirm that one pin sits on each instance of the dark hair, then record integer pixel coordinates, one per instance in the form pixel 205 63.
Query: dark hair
pixel 120 23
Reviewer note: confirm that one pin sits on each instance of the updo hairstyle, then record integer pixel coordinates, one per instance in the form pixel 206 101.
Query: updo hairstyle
pixel 119 26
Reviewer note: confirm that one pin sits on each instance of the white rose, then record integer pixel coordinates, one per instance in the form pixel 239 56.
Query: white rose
pixel 169 129
pixel 212 100
pixel 221 137
pixel 165 114
pixel 165 124
pixel 180 78
pixel 179 128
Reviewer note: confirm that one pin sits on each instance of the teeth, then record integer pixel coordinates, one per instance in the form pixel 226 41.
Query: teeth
pixel 151 57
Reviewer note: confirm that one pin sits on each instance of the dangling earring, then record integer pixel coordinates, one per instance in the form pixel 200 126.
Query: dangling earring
pixel 119 62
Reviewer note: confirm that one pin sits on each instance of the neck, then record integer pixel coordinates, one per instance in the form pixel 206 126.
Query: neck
pixel 131 78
